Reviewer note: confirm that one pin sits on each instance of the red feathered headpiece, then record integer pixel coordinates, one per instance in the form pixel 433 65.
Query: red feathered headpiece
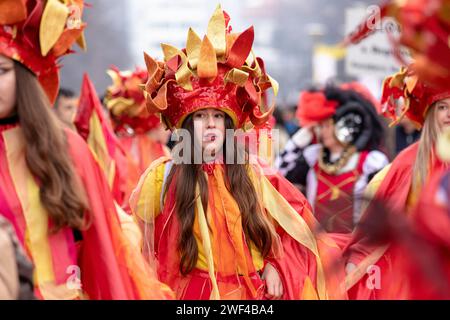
pixel 314 107
pixel 417 95
pixel 126 102
pixel 37 32
pixel 219 72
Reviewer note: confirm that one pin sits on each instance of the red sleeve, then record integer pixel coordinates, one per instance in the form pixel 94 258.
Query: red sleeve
pixel 110 267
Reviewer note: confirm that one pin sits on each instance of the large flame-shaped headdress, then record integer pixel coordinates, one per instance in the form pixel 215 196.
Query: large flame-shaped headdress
pixel 219 72
pixel 37 32
pixel 126 102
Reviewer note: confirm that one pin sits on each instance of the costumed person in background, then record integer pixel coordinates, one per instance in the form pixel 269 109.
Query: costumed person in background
pixel 335 154
pixel 51 189
pixel 66 107
pixel 428 269
pixel 399 185
pixel 94 127
pixel 217 229
pixel 142 135
pixel 419 245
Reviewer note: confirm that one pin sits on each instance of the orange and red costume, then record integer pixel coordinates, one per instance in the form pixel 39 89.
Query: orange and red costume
pixel 393 187
pixel 221 72
pixel 107 263
pixel 133 124
pixel 98 262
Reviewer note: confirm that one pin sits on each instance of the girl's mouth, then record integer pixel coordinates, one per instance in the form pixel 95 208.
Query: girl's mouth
pixel 210 137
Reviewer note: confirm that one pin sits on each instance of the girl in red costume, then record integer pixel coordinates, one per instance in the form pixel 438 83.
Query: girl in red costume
pixel 217 229
pixel 51 189
pixel 399 185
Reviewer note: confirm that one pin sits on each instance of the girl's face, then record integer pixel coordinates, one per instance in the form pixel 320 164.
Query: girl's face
pixel 7 87
pixel 443 113
pixel 209 129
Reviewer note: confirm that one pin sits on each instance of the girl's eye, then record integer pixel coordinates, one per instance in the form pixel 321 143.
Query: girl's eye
pixel 219 115
pixel 199 115
pixel 442 107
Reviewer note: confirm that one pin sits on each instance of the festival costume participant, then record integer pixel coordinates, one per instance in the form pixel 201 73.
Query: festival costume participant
pixel 141 134
pixel 418 243
pixel 432 281
pixel 51 189
pixel 335 154
pixel 66 107
pixel 425 263
pixel 95 128
pixel 399 185
pixel 216 230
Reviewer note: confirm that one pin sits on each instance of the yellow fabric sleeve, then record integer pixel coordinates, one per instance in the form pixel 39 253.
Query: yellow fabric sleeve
pixel 145 201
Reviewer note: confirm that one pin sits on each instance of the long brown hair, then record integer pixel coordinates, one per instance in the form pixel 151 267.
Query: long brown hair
pixel 257 229
pixel 425 153
pixel 46 154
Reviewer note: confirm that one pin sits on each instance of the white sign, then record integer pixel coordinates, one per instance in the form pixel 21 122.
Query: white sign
pixel 373 56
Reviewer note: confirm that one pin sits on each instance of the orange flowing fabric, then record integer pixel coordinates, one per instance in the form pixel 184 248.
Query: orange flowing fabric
pixel 95 128
pixel 96 263
pixel 432 281
pixel 234 266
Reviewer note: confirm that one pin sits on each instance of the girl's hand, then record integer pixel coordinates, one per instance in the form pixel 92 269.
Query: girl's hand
pixel 273 283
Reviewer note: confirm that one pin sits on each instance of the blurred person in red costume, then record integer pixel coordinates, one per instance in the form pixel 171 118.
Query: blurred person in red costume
pixel 51 189
pixel 399 186
pixel 419 244
pixel 432 281
pixel 141 134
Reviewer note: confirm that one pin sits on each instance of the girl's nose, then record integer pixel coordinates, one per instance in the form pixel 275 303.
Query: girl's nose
pixel 211 123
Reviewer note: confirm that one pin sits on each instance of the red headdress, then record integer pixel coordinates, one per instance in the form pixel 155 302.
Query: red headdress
pixel 219 72
pixel 417 95
pixel 425 26
pixel 37 32
pixel 126 102
pixel 314 107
